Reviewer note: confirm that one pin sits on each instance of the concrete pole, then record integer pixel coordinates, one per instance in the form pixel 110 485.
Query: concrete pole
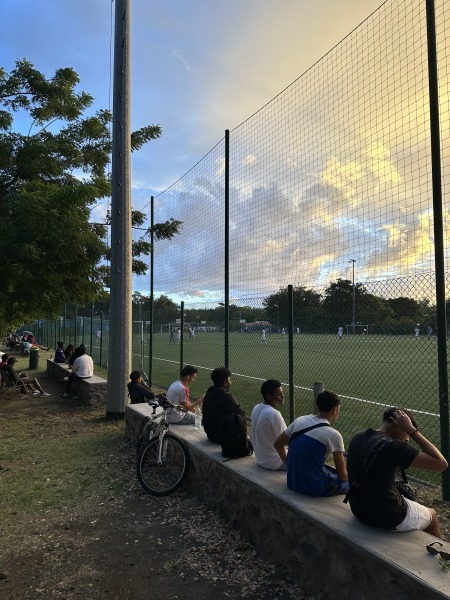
pixel 119 348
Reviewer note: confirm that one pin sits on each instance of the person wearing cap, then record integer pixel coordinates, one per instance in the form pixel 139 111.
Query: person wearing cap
pixel 373 460
pixel 31 383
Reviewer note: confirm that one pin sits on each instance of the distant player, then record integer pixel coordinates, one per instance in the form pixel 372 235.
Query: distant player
pixel 340 333
pixel 171 336
pixel 417 332
pixel 429 332
pixel 263 336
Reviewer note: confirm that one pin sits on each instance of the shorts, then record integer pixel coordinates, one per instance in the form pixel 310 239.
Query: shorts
pixel 417 517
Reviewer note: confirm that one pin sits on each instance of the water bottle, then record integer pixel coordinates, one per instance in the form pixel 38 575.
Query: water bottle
pixel 197 418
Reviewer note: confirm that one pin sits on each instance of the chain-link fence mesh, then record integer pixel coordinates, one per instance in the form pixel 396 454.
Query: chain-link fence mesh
pixel 330 192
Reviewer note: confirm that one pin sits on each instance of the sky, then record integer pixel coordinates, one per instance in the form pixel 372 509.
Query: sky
pixel 198 66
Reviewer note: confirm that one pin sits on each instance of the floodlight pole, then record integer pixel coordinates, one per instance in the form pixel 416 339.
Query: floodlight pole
pixel 353 260
pixel 120 323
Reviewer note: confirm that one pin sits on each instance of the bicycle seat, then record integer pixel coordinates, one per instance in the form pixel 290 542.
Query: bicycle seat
pixel 153 403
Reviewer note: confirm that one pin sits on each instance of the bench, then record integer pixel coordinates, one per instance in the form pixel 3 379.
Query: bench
pixel 315 541
pixel 91 390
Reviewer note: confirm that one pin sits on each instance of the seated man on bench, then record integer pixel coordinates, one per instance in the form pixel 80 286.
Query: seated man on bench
pixel 311 439
pixel 82 368
pixel 137 390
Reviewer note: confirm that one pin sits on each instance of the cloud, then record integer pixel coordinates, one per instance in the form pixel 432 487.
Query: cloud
pixel 179 56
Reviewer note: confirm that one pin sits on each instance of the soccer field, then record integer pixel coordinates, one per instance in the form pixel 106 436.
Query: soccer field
pixel 368 372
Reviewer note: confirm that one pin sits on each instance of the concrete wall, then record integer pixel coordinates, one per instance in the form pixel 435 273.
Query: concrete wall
pixel 315 541
pixel 90 391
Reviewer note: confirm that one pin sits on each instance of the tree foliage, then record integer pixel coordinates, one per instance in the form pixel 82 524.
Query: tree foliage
pixel 53 170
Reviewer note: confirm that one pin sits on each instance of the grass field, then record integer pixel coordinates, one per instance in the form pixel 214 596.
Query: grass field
pixel 368 372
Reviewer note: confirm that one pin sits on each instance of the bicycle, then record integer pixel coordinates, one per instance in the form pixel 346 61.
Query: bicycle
pixel 163 458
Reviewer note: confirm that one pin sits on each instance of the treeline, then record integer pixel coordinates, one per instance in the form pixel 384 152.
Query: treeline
pixel 313 312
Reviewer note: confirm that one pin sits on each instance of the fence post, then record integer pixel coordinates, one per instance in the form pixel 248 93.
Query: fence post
pixel 318 387
pixel 227 247
pixel 101 337
pixel 291 352
pixel 152 258
pixel 439 243
pixel 182 335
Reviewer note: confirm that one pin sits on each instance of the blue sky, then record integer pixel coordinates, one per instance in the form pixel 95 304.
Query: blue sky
pixel 198 67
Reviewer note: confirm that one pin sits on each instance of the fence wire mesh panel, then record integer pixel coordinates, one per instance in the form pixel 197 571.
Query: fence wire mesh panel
pixel 330 192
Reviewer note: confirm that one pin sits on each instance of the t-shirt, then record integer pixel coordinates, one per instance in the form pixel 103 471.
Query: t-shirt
pixel 376 501
pixel 83 366
pixel 266 425
pixel 306 457
pixel 177 393
pixel 59 356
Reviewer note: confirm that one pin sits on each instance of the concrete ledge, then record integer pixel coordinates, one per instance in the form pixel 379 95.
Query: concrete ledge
pixel 90 391
pixel 315 541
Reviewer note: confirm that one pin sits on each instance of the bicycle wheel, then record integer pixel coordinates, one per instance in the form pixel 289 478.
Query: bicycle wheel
pixel 164 478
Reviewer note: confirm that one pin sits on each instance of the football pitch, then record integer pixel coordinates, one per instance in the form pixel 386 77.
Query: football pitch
pixel 368 372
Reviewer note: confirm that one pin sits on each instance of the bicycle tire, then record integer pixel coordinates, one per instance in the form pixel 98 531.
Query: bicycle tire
pixel 163 479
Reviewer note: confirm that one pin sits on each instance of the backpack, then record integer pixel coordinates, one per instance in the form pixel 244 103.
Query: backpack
pixel 235 442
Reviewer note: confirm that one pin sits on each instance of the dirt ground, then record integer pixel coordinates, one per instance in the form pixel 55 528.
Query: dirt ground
pixel 124 544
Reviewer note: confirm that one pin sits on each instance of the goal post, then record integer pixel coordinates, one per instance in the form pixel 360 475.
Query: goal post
pixel 358 328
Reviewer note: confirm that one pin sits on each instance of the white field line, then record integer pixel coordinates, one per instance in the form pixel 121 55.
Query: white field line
pixel 299 387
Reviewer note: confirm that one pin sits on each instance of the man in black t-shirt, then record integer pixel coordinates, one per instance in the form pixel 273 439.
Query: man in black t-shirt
pixel 373 460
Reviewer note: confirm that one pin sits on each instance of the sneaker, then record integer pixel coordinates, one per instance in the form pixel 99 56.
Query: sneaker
pixel 35 393
pixel 65 395
pixel 65 379
pixel 44 395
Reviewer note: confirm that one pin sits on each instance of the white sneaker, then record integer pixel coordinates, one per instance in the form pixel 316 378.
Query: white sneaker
pixel 65 379
pixel 44 395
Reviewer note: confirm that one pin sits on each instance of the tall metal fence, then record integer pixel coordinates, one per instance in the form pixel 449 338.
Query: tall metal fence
pixel 331 188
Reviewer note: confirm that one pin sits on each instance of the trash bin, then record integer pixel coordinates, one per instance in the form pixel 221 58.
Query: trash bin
pixel 34 358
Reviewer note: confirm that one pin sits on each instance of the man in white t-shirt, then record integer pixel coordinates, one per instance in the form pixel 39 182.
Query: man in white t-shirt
pixel 82 368
pixel 178 393
pixel 267 424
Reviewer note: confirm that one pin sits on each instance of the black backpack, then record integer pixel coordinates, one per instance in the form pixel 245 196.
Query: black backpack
pixel 235 442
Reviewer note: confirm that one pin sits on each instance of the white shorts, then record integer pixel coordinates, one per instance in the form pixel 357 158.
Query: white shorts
pixel 417 517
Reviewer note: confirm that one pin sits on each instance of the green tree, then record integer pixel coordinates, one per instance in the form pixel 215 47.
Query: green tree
pixel 53 169
pixel 165 311
pixel 306 308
